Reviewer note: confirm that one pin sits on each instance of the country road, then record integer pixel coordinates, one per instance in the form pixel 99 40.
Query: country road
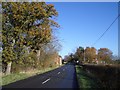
pixel 63 77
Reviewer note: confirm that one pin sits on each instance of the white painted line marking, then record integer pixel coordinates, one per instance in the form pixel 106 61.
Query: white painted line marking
pixel 46 81
pixel 58 72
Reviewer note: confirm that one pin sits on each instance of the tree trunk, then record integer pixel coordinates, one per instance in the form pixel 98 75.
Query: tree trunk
pixel 8 69
pixel 38 56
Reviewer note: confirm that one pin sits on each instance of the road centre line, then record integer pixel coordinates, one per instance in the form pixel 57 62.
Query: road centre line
pixel 46 80
pixel 58 72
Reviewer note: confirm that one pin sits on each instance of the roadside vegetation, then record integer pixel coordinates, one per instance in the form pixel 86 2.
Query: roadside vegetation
pixel 98 76
pixel 29 42
pixel 85 80
pixel 28 36
pixel 107 74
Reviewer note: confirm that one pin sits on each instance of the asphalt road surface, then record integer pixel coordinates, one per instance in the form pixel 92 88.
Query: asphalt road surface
pixel 63 77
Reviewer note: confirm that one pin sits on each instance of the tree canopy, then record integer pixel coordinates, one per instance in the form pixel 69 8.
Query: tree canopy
pixel 26 24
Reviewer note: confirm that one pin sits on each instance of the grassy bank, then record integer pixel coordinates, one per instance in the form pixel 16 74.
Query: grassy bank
pixel 86 80
pixel 6 79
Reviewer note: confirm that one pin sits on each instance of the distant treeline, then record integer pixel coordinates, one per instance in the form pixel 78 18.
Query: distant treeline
pixel 92 55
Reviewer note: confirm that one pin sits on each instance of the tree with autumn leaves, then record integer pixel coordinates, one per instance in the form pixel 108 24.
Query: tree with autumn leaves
pixel 26 25
pixel 104 55
pixel 92 55
pixel 79 54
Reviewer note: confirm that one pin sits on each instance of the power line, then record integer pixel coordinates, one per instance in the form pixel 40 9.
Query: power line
pixel 106 30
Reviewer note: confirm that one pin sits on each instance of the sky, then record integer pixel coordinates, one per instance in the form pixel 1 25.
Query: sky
pixel 82 23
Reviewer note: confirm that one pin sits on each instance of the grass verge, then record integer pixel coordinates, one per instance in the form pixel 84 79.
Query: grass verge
pixel 85 80
pixel 7 79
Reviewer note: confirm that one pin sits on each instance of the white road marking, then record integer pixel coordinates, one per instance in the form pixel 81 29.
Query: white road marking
pixel 58 72
pixel 46 80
